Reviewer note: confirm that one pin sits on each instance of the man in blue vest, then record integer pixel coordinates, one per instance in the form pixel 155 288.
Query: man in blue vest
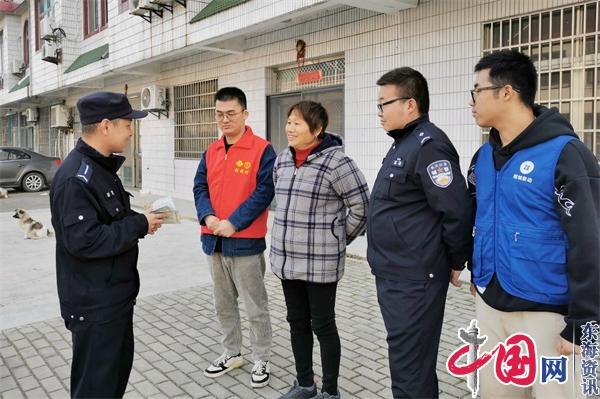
pixel 536 261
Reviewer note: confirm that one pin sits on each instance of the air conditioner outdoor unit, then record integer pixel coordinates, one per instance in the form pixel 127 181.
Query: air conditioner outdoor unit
pixel 141 7
pixel 49 52
pixel 31 114
pixel 59 116
pixel 134 6
pixel 46 28
pixel 162 2
pixel 154 98
pixel 16 67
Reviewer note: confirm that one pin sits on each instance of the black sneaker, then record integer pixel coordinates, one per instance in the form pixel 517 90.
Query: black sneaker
pixel 224 364
pixel 300 392
pixel 325 395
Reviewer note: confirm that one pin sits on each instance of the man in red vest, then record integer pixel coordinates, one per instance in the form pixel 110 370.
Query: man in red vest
pixel 233 188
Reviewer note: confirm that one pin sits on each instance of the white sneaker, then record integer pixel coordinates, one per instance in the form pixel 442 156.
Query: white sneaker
pixel 260 374
pixel 224 364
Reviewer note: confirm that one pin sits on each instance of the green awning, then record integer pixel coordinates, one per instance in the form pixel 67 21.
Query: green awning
pixel 91 56
pixel 215 7
pixel 22 83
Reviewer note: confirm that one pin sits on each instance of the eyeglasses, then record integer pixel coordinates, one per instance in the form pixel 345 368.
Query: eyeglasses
pixel 477 90
pixel 380 106
pixel 220 116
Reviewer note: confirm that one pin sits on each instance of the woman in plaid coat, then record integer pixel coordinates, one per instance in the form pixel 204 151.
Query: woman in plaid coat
pixel 322 200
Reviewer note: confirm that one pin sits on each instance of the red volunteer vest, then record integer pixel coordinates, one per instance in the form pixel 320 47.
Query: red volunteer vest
pixel 231 178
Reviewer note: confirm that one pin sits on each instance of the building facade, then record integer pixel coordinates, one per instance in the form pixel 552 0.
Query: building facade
pixel 171 57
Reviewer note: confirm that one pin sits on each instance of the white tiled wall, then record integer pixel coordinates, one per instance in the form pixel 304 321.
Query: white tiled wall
pixel 139 40
pixel 132 40
pixel 11 27
pixel 158 165
pixel 440 38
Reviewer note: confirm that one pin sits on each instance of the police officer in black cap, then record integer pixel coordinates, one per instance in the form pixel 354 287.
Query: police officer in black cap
pixel 418 231
pixel 97 237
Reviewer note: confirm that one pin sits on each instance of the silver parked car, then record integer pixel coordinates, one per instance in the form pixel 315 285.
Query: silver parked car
pixel 29 170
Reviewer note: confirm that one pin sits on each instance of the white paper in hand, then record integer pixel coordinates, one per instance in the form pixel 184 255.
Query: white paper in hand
pixel 166 205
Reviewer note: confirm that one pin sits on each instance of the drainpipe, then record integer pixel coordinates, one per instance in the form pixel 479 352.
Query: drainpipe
pixel 31 60
pixel 18 138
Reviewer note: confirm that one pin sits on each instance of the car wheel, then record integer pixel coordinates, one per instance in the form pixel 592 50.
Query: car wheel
pixel 33 182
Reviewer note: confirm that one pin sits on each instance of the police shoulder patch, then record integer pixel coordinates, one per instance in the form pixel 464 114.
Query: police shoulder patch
pixel 85 171
pixel 471 175
pixel 423 137
pixel 440 173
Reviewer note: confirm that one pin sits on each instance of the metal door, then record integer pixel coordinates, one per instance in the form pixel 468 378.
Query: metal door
pixel 332 98
pixel 131 171
pixel 137 156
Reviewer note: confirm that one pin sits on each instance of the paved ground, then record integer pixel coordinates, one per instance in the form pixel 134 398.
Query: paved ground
pixel 170 260
pixel 176 334
pixel 176 337
pixel 20 199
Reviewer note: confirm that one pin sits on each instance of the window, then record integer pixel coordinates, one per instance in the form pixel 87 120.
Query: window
pixel 95 16
pixel 331 72
pixel 15 154
pixel 43 9
pixel 12 155
pixel 38 17
pixel 26 43
pixel 563 45
pixel 195 124
pixel 123 5
pixel 1 56
pixel 45 6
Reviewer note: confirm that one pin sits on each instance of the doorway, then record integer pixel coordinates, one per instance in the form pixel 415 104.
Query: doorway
pixel 332 98
pixel 131 171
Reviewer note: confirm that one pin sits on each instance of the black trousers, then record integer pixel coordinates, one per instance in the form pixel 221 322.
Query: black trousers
pixel 311 308
pixel 102 357
pixel 413 313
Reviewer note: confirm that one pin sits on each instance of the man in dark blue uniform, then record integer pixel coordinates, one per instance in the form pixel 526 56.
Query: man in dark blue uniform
pixel 96 247
pixel 418 231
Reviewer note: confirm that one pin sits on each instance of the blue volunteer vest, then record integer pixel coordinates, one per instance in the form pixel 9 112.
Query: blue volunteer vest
pixel 517 232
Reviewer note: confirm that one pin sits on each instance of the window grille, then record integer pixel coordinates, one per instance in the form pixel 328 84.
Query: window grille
pixel 563 43
pixel 286 79
pixel 195 124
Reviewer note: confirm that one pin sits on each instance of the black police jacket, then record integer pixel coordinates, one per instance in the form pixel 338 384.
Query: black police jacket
pixel 420 214
pixel 96 237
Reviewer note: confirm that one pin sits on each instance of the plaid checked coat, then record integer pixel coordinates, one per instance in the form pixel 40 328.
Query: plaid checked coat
pixel 320 208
